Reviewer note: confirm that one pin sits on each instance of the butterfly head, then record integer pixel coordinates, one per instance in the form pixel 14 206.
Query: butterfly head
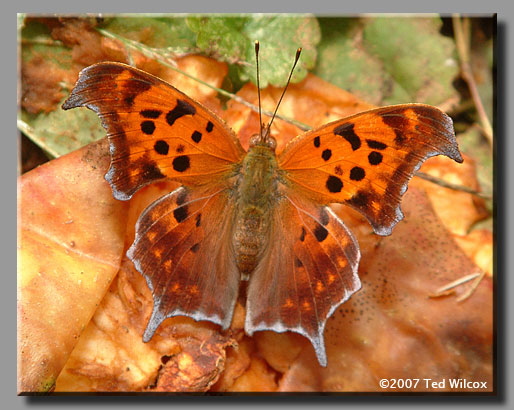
pixel 263 141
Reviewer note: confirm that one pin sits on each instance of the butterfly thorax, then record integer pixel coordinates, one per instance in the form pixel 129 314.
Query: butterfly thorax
pixel 257 191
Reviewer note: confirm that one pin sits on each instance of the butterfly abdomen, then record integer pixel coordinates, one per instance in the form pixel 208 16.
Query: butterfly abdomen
pixel 257 191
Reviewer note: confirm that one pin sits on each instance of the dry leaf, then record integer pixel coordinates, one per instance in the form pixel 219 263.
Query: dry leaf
pixel 70 244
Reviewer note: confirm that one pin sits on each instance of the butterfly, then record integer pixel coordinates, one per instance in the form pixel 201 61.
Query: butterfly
pixel 253 223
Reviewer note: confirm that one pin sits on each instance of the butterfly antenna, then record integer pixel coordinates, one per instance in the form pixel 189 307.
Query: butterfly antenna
pixel 298 52
pixel 258 84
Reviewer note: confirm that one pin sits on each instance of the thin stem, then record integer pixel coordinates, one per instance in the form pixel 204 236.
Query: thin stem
pixel 149 52
pixel 450 287
pixel 462 43
pixel 456 187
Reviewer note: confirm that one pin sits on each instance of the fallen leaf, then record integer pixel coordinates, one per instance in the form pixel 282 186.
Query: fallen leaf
pixel 70 245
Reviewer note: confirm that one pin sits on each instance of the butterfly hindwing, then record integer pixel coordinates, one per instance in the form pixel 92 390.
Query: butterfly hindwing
pixel 308 269
pixel 154 130
pixel 366 160
pixel 183 249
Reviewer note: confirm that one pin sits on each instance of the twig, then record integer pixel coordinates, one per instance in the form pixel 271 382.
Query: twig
pixel 450 287
pixel 449 185
pixel 462 43
pixel 155 55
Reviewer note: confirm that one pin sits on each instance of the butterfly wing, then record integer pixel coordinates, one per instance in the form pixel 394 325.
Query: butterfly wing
pixel 308 269
pixel 154 130
pixel 366 160
pixel 182 245
pixel 183 248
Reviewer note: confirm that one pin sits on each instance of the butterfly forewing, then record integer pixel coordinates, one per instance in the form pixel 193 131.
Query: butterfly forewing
pixel 366 160
pixel 183 249
pixel 154 130
pixel 308 269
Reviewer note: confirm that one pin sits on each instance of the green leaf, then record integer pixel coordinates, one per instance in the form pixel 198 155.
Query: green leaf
pixel 168 33
pixel 60 132
pixel 345 61
pixel 388 60
pixel 231 39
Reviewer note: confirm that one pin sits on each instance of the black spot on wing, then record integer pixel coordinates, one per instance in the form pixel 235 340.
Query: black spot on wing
pixel 161 147
pixel 375 158
pixel 321 233
pixel 346 131
pixel 198 220
pixel 209 126
pixel 302 235
pixel 376 144
pixel 180 213
pixel 297 262
pixel 182 108
pixel 357 174
pixel 196 136
pixel 181 163
pixel 317 142
pixel 334 184
pixel 150 113
pixel 148 127
pixel 326 154
pixel 195 247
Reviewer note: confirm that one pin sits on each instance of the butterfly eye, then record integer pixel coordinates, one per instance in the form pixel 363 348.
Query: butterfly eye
pixel 272 143
pixel 254 140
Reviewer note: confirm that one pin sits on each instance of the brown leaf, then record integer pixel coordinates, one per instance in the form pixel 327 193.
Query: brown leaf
pixel 69 249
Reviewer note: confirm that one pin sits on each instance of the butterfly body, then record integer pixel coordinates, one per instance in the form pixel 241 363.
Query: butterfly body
pixel 256 215
pixel 257 193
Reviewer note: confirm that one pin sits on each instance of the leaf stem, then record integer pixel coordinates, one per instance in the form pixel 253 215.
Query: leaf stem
pixel 462 43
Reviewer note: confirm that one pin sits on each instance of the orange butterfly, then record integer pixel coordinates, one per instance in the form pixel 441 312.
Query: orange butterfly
pixel 253 222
